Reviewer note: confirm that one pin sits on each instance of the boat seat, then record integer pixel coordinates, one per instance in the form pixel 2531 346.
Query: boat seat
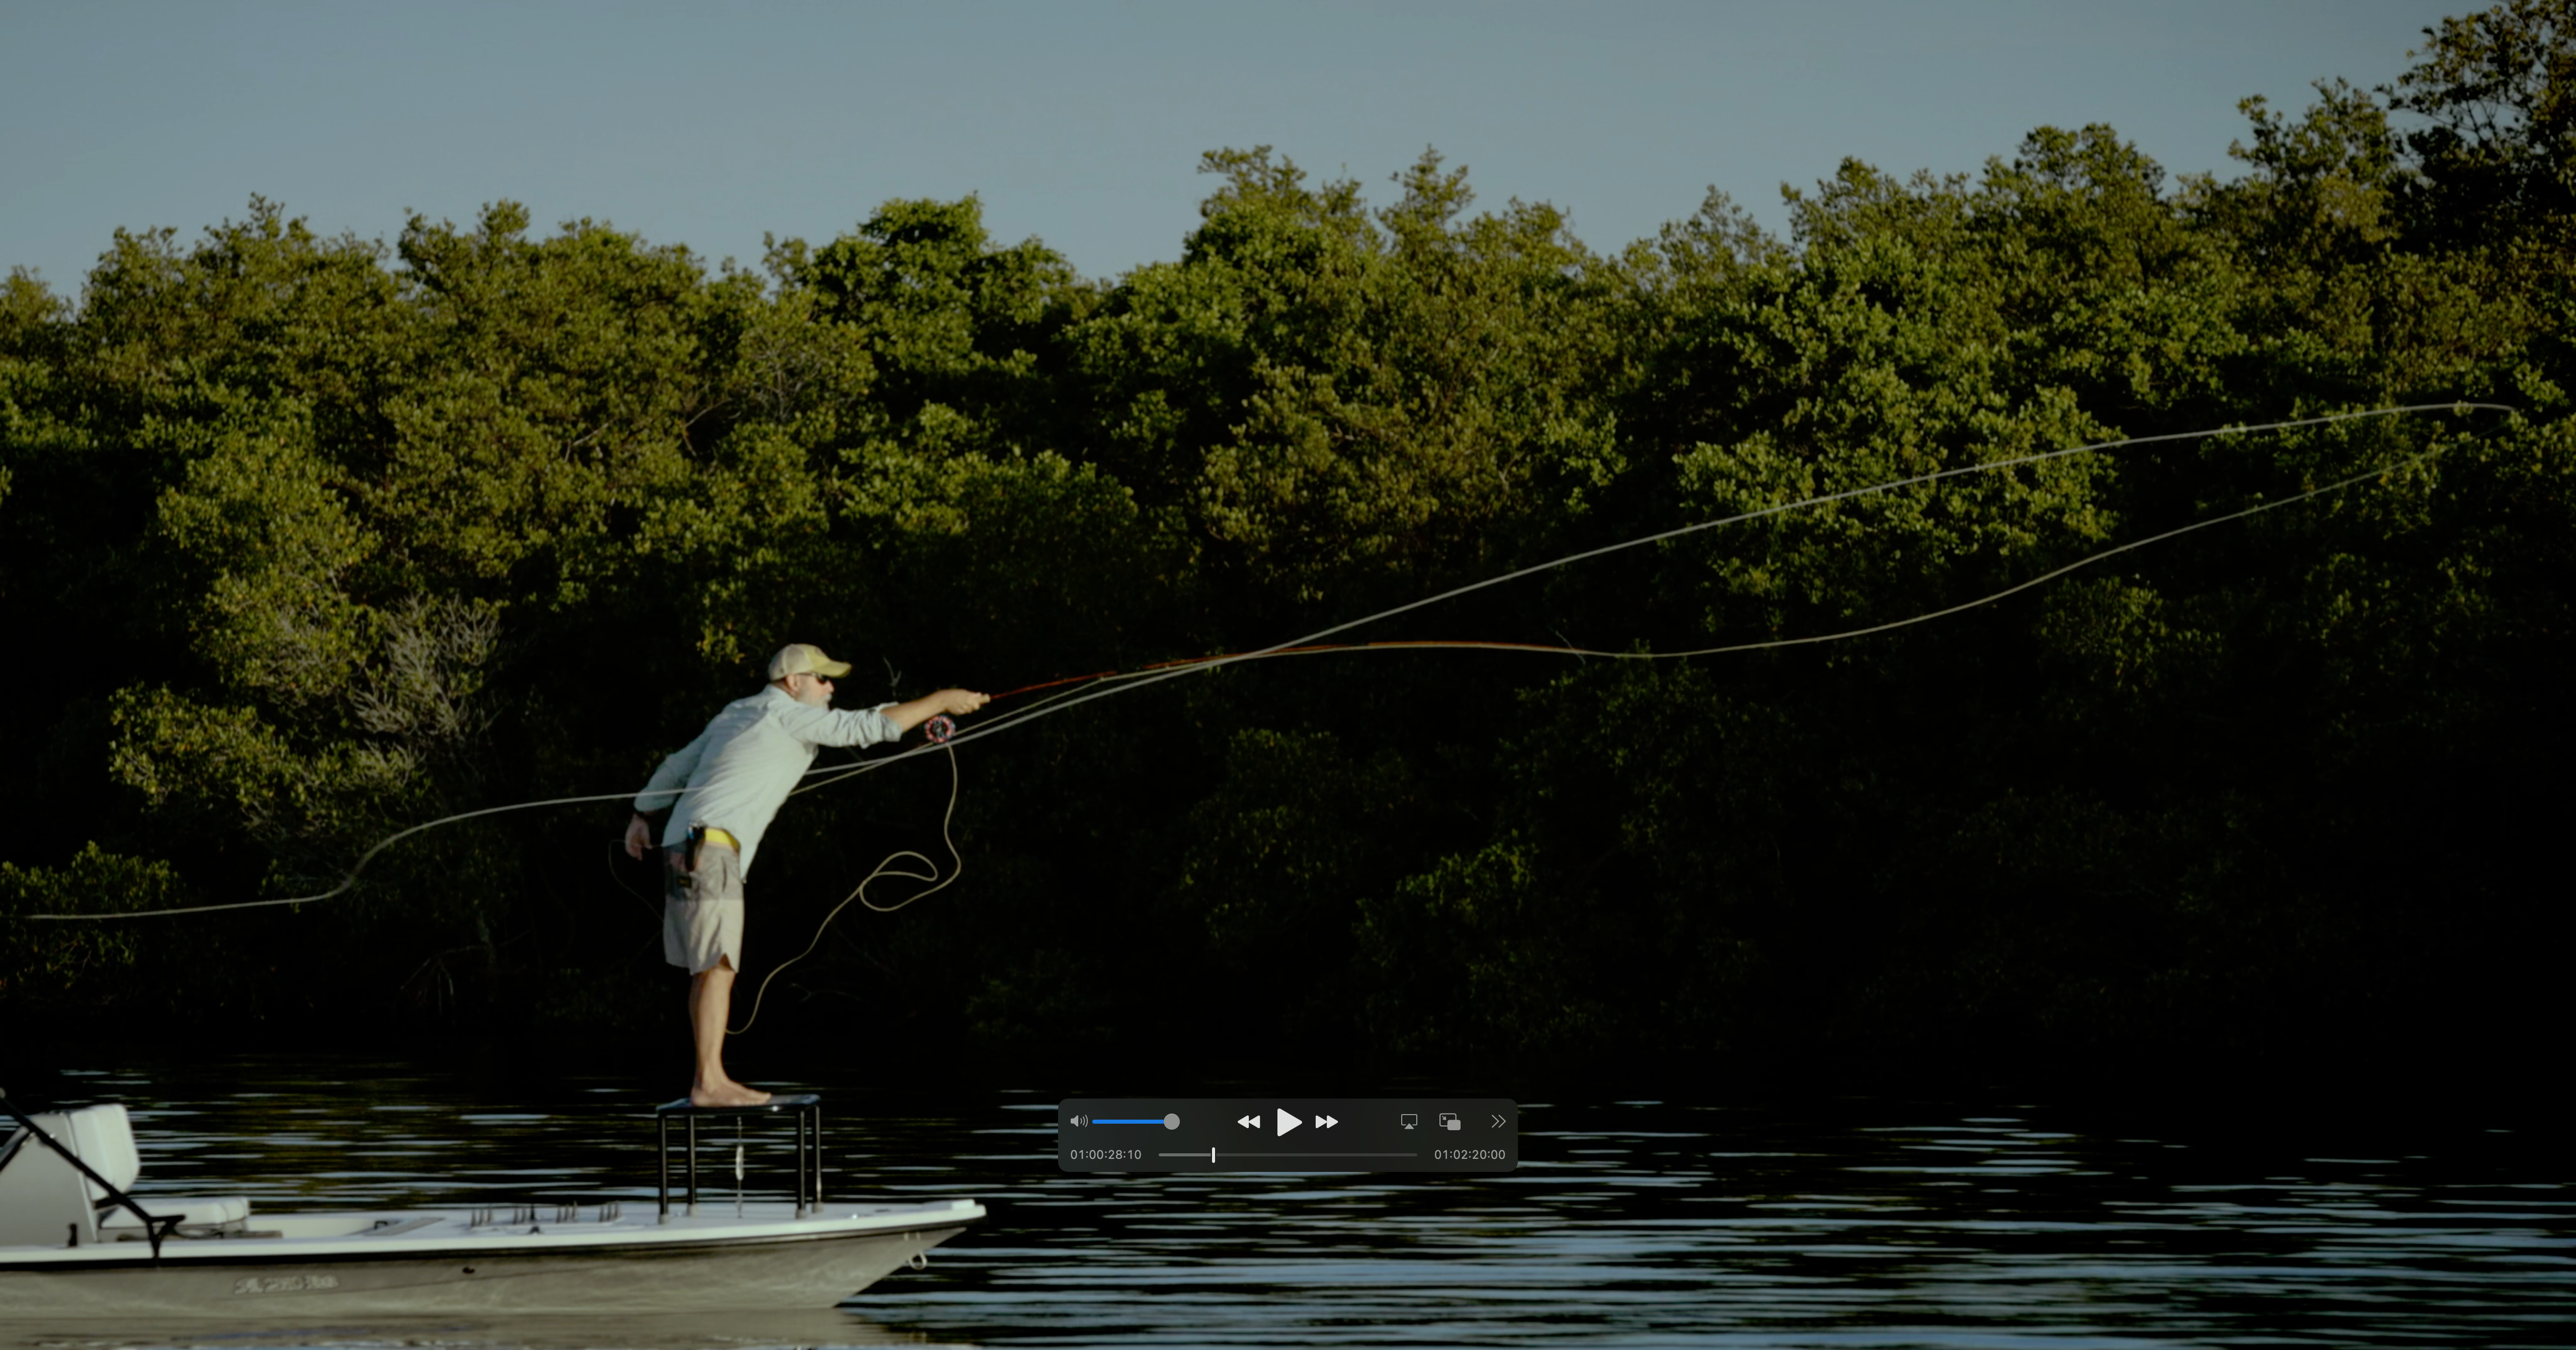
pixel 199 1216
pixel 44 1199
pixel 103 1136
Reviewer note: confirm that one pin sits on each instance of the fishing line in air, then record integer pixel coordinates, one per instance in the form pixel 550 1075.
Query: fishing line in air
pixel 1079 690
pixel 1105 685
pixel 883 869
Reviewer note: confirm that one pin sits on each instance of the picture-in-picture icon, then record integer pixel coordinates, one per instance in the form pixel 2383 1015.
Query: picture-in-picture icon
pixel 1449 1121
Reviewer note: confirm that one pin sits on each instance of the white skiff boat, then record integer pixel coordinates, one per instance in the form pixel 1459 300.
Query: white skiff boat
pixel 75 1245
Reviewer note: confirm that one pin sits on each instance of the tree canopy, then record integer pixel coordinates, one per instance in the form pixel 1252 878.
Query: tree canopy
pixel 309 539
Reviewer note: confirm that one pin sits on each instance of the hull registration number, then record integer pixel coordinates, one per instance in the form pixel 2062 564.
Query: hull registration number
pixel 284 1284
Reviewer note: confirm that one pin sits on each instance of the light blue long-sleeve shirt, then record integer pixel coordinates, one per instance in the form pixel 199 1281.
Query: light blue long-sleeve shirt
pixel 737 772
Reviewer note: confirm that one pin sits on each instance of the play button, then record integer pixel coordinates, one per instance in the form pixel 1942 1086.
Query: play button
pixel 1288 1122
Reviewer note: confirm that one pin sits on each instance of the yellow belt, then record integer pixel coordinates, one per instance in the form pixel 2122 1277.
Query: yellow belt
pixel 716 836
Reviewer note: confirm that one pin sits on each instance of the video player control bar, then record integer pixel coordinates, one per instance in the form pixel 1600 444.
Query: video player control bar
pixel 1288 1134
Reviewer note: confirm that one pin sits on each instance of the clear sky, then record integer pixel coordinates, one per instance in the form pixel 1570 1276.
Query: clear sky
pixel 1081 123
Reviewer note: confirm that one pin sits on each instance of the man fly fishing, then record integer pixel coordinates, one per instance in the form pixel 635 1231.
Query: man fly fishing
pixel 722 789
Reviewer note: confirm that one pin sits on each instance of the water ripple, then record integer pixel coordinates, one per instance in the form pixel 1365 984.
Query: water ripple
pixel 1854 1223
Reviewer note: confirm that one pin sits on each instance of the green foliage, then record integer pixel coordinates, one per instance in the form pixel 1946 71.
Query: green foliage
pixel 1341 400
pixel 50 963
pixel 2499 90
pixel 1479 958
pixel 560 380
pixel 954 327
pixel 260 528
pixel 320 538
pixel 1279 858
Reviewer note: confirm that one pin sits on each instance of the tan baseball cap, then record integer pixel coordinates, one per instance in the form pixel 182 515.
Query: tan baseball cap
pixel 804 658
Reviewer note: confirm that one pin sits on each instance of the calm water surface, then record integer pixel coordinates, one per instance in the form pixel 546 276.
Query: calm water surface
pixel 1841 1222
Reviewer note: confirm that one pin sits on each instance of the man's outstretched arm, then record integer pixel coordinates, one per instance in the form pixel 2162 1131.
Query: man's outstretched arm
pixel 954 702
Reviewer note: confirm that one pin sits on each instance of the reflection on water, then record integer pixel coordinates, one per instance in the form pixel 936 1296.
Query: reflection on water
pixel 1848 1223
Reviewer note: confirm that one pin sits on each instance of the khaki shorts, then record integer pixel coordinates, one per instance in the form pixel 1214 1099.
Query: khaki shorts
pixel 702 909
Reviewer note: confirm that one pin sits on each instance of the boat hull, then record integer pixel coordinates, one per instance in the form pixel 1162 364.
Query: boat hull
pixel 700 1267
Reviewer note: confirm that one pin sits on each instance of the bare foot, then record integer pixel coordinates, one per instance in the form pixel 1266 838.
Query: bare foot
pixel 727 1093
